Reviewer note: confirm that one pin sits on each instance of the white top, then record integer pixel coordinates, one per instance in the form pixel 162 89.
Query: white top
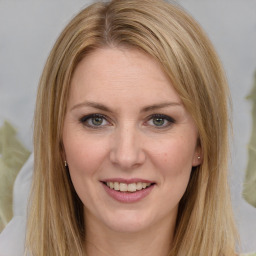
pixel 12 238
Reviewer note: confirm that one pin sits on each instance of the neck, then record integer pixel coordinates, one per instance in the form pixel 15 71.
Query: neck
pixel 152 241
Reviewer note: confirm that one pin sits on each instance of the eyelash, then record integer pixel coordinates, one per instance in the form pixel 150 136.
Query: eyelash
pixel 85 121
pixel 169 120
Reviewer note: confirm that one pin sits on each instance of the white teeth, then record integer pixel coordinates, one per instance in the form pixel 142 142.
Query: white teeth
pixel 132 187
pixel 139 186
pixel 116 185
pixel 124 187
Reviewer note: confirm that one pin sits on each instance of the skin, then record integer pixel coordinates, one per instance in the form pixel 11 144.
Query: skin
pixel 127 87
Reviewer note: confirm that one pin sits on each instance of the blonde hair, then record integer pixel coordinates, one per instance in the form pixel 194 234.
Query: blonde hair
pixel 164 31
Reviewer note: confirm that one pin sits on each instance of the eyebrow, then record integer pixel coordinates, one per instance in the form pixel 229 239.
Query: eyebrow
pixel 105 108
pixel 93 105
pixel 161 105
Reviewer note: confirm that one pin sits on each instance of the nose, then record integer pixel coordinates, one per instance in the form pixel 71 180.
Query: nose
pixel 127 148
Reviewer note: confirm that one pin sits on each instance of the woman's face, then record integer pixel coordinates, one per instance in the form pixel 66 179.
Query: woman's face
pixel 129 142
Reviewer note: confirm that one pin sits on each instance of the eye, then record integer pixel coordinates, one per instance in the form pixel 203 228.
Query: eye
pixel 94 121
pixel 160 121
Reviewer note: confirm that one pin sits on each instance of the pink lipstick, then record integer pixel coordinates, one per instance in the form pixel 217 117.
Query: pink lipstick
pixel 128 190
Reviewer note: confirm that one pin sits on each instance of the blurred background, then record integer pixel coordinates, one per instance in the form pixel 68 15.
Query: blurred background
pixel 29 28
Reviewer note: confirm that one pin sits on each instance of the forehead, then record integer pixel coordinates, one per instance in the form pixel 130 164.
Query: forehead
pixel 124 74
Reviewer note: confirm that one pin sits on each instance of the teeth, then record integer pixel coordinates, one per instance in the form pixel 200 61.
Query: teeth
pixel 116 186
pixel 124 187
pixel 139 186
pixel 132 187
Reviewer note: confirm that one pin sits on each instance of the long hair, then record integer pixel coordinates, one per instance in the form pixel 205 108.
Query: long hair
pixel 164 31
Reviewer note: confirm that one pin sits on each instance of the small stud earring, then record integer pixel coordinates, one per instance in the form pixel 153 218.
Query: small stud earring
pixel 198 157
pixel 65 163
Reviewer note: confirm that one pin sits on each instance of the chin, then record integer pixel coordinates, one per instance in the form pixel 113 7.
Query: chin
pixel 128 222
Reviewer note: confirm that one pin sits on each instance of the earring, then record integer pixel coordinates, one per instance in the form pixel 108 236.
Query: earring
pixel 65 163
pixel 198 157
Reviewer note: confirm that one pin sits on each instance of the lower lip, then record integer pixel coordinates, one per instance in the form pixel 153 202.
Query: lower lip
pixel 128 197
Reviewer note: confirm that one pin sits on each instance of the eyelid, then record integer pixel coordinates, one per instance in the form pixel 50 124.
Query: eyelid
pixel 85 118
pixel 168 118
pixel 162 116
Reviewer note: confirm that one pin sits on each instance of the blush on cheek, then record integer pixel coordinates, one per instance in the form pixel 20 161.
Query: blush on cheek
pixel 85 159
pixel 177 162
pixel 165 158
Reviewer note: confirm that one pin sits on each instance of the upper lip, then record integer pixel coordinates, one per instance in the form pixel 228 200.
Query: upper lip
pixel 127 181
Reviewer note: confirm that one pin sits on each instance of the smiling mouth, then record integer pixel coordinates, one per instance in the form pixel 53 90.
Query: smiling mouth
pixel 131 187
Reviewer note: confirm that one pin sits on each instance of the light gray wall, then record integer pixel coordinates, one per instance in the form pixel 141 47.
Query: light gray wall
pixel 231 25
pixel 28 29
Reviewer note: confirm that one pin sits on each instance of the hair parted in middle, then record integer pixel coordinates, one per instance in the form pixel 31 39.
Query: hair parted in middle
pixel 169 35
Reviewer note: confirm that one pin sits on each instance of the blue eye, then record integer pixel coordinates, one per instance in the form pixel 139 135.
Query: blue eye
pixel 94 121
pixel 160 121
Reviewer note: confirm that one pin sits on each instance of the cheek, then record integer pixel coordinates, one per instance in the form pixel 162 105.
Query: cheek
pixel 84 156
pixel 174 157
pixel 83 153
pixel 174 163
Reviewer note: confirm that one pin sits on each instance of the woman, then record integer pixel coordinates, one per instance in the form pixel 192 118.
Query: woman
pixel 131 138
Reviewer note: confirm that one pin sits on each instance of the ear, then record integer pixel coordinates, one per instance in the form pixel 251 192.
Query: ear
pixel 62 152
pixel 198 155
pixel 197 160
